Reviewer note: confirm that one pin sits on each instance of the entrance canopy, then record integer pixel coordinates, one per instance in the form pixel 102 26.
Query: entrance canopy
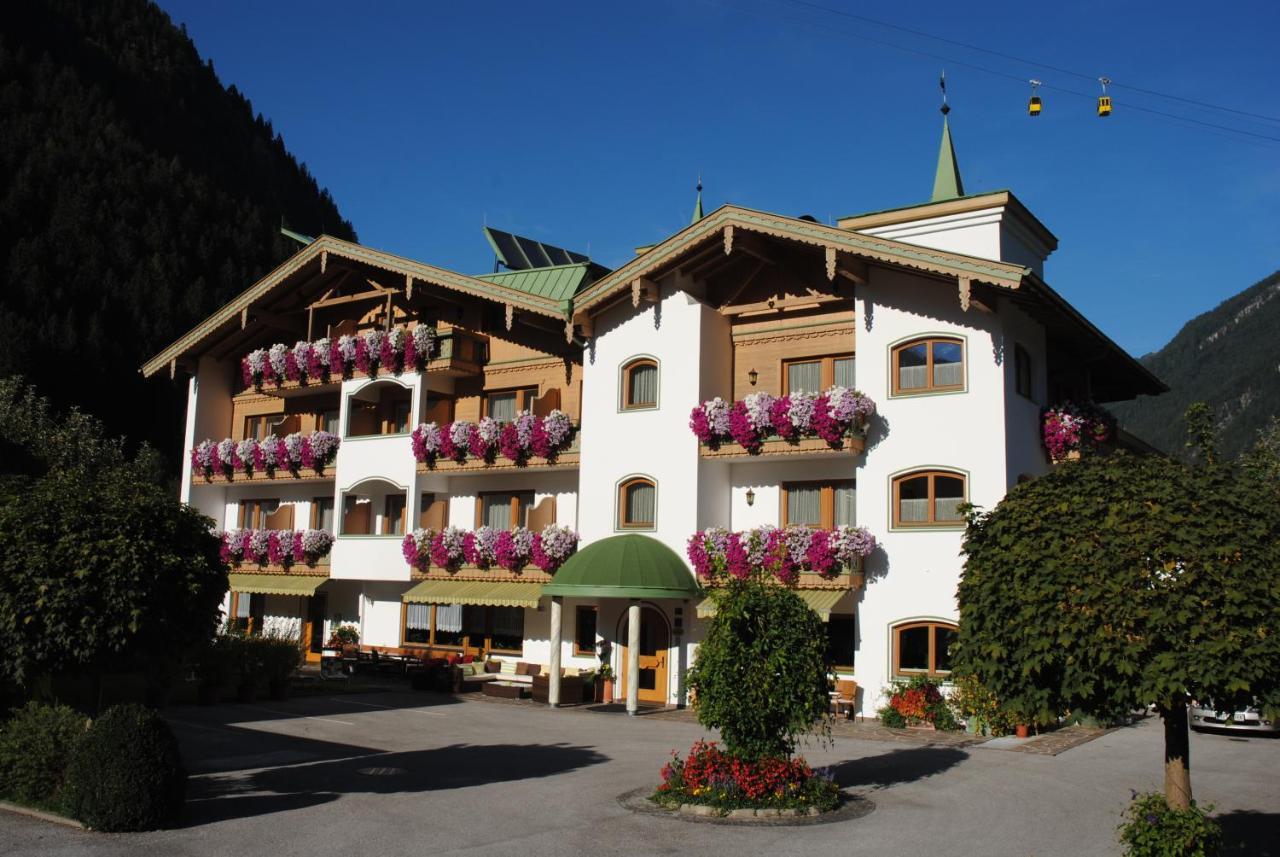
pixel 820 601
pixel 625 566
pixel 276 584
pixel 490 593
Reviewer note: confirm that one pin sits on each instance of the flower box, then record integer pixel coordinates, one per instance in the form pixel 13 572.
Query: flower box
pixel 785 553
pixel 485 548
pixel 463 444
pixel 280 550
pixel 251 460
pixel 830 418
pixel 1069 429
pixel 852 444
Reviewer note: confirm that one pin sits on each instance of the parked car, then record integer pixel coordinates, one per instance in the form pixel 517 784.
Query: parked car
pixel 1204 716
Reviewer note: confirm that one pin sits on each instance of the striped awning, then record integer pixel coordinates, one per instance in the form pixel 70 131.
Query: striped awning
pixel 276 584
pixel 820 601
pixel 491 593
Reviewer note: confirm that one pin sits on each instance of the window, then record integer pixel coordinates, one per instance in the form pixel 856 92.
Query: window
pixel 432 511
pixel 247 611
pixel 819 504
pixel 637 504
pixel 455 626
pixel 357 515
pixel 328 421
pixel 816 374
pixel 842 639
pixel 322 513
pixel 400 410
pixel 265 515
pixel 928 498
pixel 1022 371
pixel 584 630
pixel 503 405
pixel 928 365
pixel 640 384
pixel 262 426
pixel 503 510
pixel 381 408
pixel 393 509
pixel 923 648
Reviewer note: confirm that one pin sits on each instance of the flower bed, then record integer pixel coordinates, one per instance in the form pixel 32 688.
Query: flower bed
pixel 711 777
pixel 487 547
pixel 918 702
pixel 275 547
pixel 393 351
pixel 293 453
pixel 1070 428
pixel 782 552
pixel 831 416
pixel 518 441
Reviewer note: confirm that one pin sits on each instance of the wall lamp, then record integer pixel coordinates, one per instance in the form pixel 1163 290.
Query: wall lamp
pixel 753 376
pixel 751 497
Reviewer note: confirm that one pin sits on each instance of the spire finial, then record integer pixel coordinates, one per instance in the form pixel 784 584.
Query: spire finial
pixel 697 206
pixel 942 84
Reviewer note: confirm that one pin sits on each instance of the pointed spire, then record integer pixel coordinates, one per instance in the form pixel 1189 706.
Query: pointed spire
pixel 946 180
pixel 697 206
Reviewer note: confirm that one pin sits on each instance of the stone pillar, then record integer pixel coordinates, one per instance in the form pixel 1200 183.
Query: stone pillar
pixel 553 683
pixel 633 657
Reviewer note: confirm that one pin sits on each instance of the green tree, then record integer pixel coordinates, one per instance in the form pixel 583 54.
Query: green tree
pixel 761 673
pixel 99 566
pixel 1121 581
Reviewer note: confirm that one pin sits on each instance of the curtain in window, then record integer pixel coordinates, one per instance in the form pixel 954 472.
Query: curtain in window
pixel 644 385
pixel 324 514
pixel 948 492
pixel 948 366
pixel 449 617
pixel 804 505
pixel 913 371
pixel 242 606
pixel 502 407
pixel 640 503
pixel 914 510
pixel 846 505
pixel 844 372
pixel 806 377
pixel 417 617
pixel 497 511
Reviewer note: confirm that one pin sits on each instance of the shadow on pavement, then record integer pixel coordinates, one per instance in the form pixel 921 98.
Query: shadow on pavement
pixel 1245 832
pixel 900 766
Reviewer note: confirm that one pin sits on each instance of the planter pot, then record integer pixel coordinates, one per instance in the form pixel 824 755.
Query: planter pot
pixel 607 695
pixel 1022 730
pixel 208 694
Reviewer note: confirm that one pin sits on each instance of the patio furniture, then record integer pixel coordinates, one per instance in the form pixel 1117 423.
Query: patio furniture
pixel 572 689
pixel 505 689
pixel 468 678
pixel 844 698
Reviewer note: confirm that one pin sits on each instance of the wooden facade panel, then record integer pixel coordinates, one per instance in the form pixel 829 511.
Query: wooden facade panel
pixel 765 345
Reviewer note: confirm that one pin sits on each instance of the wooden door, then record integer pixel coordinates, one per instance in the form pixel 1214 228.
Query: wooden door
pixel 313 626
pixel 655 641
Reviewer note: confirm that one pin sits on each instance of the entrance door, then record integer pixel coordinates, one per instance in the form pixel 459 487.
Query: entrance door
pixel 313 626
pixel 654 643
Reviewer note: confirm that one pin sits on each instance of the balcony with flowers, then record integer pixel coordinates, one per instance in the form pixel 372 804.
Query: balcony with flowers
pixel 297 457
pixel 308 367
pixel 488 553
pixel 1070 429
pixel 277 551
pixel 549 442
pixel 796 555
pixel 800 423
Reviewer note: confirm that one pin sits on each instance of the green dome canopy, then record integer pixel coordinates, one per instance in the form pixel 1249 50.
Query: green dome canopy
pixel 625 566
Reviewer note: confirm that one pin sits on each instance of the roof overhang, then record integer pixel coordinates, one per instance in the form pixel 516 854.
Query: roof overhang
pixel 318 253
pixel 727 221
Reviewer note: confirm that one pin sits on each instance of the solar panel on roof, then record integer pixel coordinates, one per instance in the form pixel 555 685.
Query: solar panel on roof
pixel 517 253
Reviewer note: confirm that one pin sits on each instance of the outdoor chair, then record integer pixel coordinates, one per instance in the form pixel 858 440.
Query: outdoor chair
pixel 844 698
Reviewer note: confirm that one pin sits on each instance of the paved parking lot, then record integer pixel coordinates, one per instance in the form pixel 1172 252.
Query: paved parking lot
pixel 405 773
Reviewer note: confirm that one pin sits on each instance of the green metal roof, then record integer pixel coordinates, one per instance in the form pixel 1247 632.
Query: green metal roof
pixel 276 584
pixel 625 566
pixel 491 593
pixel 946 181
pixel 559 283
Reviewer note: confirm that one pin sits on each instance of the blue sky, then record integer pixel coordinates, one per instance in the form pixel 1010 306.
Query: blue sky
pixel 586 124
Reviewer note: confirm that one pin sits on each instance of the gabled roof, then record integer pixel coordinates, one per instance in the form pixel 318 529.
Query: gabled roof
pixel 939 262
pixel 559 283
pixel 327 246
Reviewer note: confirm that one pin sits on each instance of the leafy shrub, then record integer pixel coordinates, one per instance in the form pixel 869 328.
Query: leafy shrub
pixel 918 701
pixel 126 772
pixel 278 656
pixel 761 673
pixel 1154 829
pixel 972 699
pixel 35 745
pixel 344 635
pixel 217 663
pixel 712 777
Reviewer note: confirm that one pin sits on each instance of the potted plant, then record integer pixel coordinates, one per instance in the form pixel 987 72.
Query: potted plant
pixel 604 684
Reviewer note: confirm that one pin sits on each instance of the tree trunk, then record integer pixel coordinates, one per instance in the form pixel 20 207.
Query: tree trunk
pixel 1177 754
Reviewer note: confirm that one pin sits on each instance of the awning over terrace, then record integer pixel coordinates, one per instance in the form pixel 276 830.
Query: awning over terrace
pixel 820 601
pixel 276 584
pixel 490 593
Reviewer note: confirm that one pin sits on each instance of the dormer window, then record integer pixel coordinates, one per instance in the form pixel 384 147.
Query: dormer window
pixel 928 365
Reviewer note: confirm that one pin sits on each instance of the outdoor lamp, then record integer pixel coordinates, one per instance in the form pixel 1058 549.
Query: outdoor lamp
pixel 752 376
pixel 751 495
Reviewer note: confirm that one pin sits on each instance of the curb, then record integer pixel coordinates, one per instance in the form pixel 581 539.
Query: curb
pixel 42 815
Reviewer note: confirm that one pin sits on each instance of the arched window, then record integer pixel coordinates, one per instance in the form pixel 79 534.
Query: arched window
pixel 931 364
pixel 637 504
pixel 640 384
pixel 929 498
pixel 923 648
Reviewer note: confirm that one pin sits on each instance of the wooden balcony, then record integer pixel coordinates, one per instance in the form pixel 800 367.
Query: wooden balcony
pixel 570 459
pixel 459 354
pixel 261 477
pixel 775 448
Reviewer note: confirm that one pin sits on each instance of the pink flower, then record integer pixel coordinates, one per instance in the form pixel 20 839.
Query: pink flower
pixel 741 428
